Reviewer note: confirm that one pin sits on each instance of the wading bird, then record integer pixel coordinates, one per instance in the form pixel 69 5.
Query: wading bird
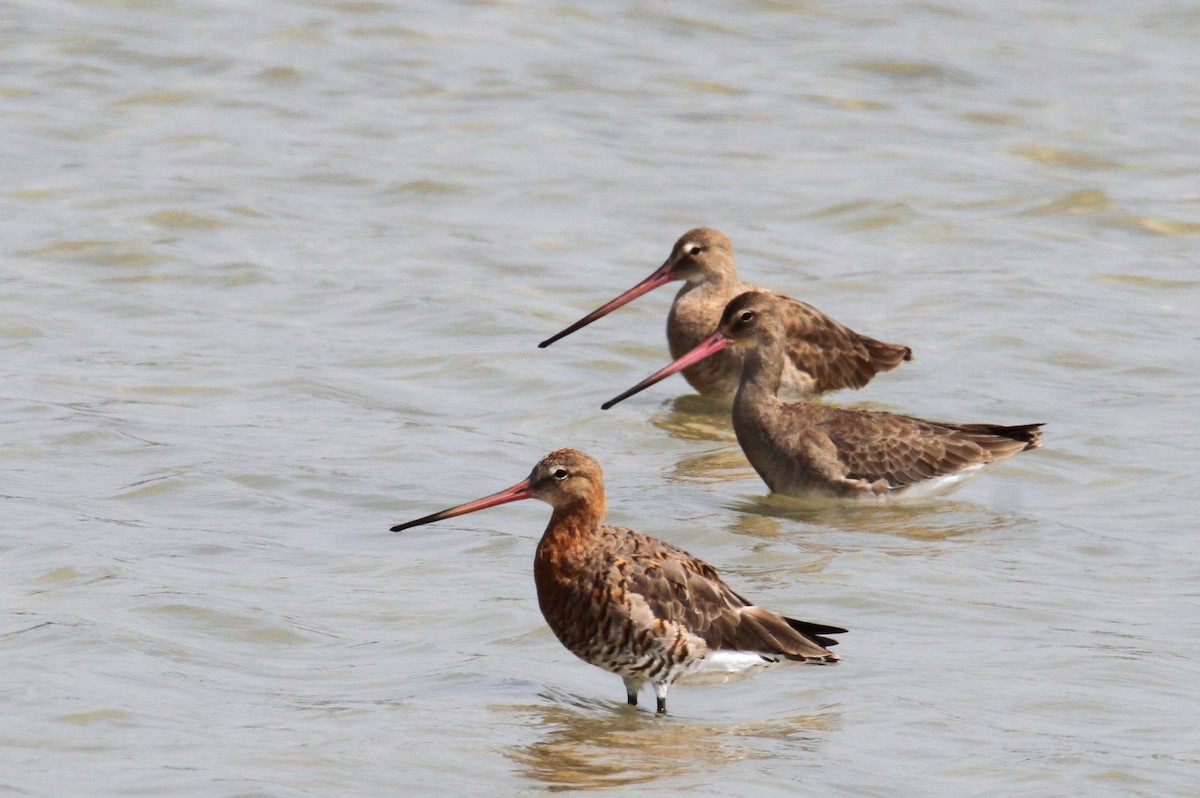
pixel 822 354
pixel 636 606
pixel 803 448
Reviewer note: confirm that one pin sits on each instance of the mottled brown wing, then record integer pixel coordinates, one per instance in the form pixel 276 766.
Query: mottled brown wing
pixel 834 355
pixel 683 589
pixel 903 450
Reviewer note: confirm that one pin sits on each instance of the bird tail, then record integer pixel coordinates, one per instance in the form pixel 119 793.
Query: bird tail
pixel 816 631
pixel 885 356
pixel 1028 434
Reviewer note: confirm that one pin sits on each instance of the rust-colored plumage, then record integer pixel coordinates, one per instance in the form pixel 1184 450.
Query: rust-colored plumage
pixel 633 605
pixel 822 354
pixel 806 447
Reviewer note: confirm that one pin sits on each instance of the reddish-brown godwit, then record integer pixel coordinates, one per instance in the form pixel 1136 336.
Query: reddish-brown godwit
pixel 639 607
pixel 822 355
pixel 806 447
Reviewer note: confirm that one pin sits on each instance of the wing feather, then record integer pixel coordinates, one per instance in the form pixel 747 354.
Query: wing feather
pixel 904 450
pixel 834 355
pixel 682 589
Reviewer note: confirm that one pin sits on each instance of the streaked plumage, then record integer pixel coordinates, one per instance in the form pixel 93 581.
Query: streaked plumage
pixel 806 447
pixel 636 606
pixel 823 355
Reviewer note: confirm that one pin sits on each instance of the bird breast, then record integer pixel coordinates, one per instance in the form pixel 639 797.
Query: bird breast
pixel 591 610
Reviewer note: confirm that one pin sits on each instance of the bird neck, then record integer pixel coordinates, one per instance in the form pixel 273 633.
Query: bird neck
pixel 575 522
pixel 722 277
pixel 721 281
pixel 762 368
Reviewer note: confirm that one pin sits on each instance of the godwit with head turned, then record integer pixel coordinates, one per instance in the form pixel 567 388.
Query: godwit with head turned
pixel 822 355
pixel 628 603
pixel 805 447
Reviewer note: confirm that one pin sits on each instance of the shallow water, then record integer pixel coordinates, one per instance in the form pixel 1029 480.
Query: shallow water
pixel 274 279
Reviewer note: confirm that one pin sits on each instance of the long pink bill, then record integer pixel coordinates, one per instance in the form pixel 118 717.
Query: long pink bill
pixel 522 490
pixel 710 345
pixel 661 276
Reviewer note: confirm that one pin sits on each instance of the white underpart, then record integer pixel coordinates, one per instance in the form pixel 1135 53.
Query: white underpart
pixel 722 666
pixel 939 485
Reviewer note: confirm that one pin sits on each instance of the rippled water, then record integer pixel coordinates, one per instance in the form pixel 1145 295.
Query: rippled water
pixel 274 275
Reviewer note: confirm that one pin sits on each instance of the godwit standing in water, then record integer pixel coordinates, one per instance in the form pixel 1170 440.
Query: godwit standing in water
pixel 822 355
pixel 628 603
pixel 807 447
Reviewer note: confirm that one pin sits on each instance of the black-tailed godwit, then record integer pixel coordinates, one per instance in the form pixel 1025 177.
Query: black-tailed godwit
pixel 804 447
pixel 636 606
pixel 822 354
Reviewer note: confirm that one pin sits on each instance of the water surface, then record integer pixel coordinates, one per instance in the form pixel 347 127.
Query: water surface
pixel 274 276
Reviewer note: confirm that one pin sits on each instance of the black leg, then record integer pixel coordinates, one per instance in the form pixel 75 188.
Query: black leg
pixel 631 698
pixel 662 705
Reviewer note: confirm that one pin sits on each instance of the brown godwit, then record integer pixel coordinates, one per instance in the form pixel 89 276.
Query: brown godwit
pixel 803 447
pixel 823 355
pixel 639 607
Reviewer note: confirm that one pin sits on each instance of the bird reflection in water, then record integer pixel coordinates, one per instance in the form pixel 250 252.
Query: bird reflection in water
pixel 702 419
pixel 596 745
pixel 697 418
pixel 929 519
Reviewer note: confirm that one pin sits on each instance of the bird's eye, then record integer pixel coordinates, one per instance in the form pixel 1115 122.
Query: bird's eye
pixel 560 473
pixel 746 316
pixel 693 249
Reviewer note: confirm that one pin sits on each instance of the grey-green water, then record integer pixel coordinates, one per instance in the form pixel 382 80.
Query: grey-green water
pixel 273 278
